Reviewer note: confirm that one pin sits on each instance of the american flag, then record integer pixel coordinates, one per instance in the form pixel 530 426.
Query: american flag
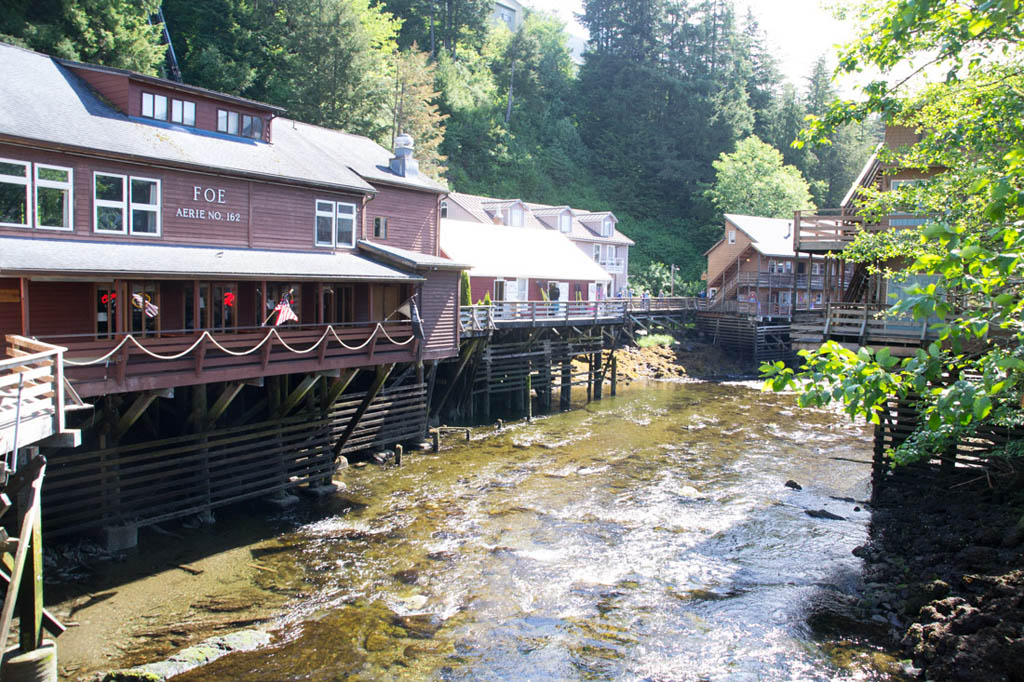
pixel 284 312
pixel 145 305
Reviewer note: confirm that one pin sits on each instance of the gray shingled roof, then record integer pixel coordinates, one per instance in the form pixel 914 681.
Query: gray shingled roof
pixel 42 100
pixel 410 259
pixel 25 255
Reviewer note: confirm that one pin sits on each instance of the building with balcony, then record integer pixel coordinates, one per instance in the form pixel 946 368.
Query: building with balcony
pixel 594 233
pixel 753 268
pixel 854 311
pixel 212 269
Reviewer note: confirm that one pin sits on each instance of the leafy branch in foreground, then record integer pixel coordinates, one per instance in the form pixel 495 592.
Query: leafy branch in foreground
pixel 970 250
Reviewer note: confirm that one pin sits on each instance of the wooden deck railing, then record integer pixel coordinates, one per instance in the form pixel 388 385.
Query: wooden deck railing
pixel 31 392
pixel 826 229
pixel 866 324
pixel 539 313
pixel 132 363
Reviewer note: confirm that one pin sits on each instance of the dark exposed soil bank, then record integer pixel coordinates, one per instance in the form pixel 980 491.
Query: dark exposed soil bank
pixel 943 575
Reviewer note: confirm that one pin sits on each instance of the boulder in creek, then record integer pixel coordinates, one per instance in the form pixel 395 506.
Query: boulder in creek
pixel 824 514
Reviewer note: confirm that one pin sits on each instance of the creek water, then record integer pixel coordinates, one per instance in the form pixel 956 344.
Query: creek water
pixel 648 536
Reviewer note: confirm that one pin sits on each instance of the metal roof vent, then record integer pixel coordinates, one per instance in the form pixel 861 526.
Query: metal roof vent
pixel 403 162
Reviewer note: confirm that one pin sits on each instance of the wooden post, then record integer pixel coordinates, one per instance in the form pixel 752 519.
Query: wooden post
pixel 30 592
pixel 565 391
pixel 529 397
pixel 383 372
pixel 615 372
pixel 590 376
pixel 436 437
pixel 598 376
pixel 399 450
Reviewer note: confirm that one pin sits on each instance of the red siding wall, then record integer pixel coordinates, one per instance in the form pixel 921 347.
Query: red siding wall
pixel 282 217
pixel 114 88
pixel 412 218
pixel 125 93
pixel 61 308
pixel 439 308
pixel 478 286
pixel 10 313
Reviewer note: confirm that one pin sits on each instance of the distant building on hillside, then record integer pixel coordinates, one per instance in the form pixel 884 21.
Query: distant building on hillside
pixel 508 12
pixel 754 262
pixel 593 233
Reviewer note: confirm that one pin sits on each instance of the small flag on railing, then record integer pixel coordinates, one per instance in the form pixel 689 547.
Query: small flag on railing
pixel 145 305
pixel 284 312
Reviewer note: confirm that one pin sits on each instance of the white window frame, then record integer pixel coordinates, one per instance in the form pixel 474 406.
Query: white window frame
pixel 155 208
pixel 610 252
pixel 127 206
pixel 515 215
pixel 444 209
pixel 152 98
pixel 182 105
pixel 228 117
pixel 15 180
pixel 597 253
pixel 382 223
pixel 606 227
pixel 97 204
pixel 68 186
pixel 334 214
pixel 731 236
pixel 565 222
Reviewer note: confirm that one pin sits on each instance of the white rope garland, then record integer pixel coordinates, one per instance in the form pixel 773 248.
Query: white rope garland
pixel 379 328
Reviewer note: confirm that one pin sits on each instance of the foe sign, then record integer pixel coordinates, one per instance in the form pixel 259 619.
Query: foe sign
pixel 209 194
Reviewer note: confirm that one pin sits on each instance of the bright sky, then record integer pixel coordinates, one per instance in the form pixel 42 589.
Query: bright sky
pixel 798 30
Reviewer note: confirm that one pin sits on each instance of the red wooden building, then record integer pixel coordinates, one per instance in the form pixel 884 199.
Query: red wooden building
pixel 211 265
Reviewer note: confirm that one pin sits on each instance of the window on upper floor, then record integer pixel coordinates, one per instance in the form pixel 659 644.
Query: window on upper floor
pixel 610 251
pixel 233 123
pixel 597 252
pixel 124 204
pixel 183 112
pixel 732 236
pixel 606 227
pixel 14 193
pixel 905 218
pixel 227 121
pixel 54 205
pixel 48 189
pixel 335 224
pixel 565 222
pixel 154 106
pixel 444 209
pixel 380 228
pixel 515 215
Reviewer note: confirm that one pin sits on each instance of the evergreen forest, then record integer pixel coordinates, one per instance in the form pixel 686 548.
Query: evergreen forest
pixel 654 124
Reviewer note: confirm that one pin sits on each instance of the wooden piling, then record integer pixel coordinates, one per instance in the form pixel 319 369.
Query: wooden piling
pixel 565 391
pixel 529 397
pixel 398 455
pixel 598 376
pixel 436 438
pixel 615 373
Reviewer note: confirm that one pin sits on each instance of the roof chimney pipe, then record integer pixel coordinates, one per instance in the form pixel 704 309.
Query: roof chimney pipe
pixel 403 163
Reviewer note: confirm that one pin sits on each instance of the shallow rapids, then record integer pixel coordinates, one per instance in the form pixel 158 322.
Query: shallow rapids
pixel 650 536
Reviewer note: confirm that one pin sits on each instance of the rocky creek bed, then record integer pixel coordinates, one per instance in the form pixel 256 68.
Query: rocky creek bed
pixel 943 577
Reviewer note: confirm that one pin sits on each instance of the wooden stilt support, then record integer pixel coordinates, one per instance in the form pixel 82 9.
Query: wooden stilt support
pixel 132 414
pixel 467 355
pixel 431 377
pixel 339 385
pixel 590 377
pixel 529 396
pixel 598 376
pixel 297 394
pixel 220 406
pixel 383 372
pixel 615 372
pixel 565 391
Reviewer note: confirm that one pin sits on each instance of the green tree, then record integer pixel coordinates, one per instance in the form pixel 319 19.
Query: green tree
pixel 972 247
pixel 108 32
pixel 754 181
pixel 414 109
